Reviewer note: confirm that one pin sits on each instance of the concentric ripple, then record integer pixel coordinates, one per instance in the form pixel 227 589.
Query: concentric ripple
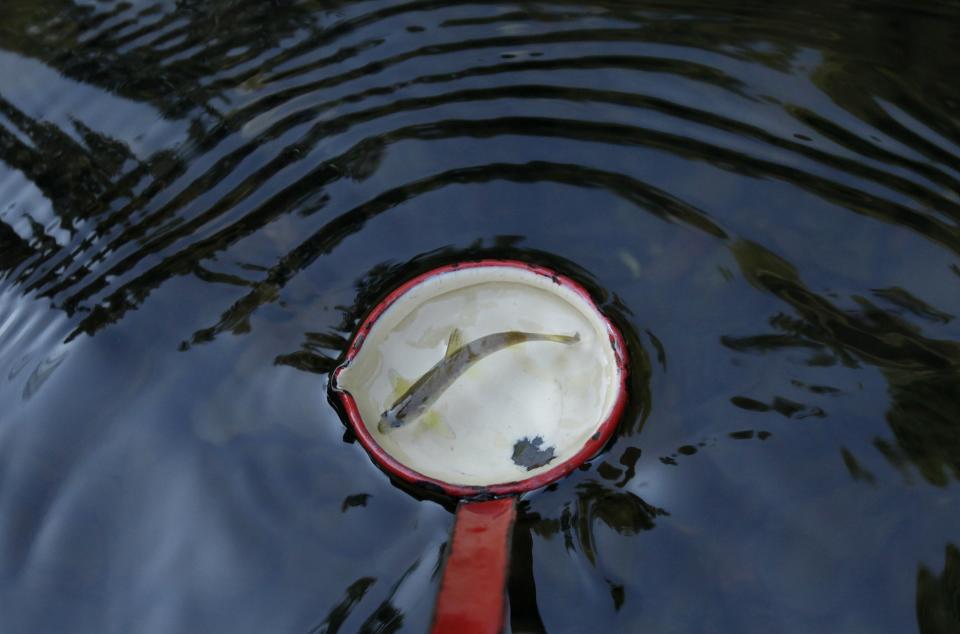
pixel 199 200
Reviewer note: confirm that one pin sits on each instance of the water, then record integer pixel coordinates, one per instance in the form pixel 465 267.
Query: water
pixel 199 200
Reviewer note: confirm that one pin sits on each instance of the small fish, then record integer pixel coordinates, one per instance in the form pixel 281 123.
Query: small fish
pixel 458 358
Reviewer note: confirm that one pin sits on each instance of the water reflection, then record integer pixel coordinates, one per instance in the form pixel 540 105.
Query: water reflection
pixel 335 619
pixel 359 499
pixel 200 200
pixel 922 373
pixel 937 609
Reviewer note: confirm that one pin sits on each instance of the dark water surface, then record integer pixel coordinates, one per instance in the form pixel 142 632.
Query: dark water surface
pixel 199 200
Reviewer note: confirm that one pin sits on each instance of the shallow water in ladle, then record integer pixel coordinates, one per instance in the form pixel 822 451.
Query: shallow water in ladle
pixel 199 201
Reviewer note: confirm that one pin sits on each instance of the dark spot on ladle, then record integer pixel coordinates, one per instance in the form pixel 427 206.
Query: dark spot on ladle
pixel 527 453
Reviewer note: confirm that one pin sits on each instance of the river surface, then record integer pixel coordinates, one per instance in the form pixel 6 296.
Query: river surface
pixel 200 200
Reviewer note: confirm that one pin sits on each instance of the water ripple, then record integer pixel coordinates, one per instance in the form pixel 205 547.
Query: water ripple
pixel 766 198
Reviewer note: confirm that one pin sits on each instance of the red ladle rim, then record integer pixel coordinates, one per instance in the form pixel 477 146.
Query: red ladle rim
pixel 409 475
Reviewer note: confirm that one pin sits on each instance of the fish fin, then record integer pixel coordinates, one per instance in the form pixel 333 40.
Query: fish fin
pixel 454 343
pixel 442 428
pixel 433 423
pixel 398 384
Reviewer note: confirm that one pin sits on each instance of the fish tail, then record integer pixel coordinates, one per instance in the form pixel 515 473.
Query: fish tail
pixel 568 339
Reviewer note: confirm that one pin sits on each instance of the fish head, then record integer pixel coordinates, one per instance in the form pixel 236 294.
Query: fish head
pixel 388 422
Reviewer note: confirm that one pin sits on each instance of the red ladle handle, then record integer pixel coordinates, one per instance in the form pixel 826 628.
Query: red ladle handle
pixel 472 598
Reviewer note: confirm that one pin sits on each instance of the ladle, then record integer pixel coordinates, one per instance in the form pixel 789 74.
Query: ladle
pixel 516 421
